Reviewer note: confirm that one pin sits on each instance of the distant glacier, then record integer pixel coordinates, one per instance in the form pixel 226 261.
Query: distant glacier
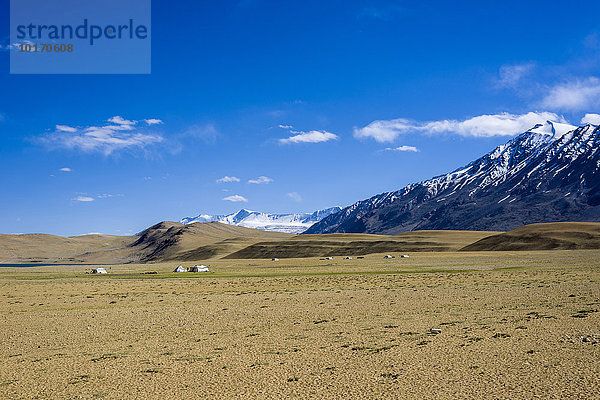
pixel 289 223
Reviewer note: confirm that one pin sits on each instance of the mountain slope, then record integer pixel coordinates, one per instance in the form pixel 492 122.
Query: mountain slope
pixel 549 173
pixel 289 223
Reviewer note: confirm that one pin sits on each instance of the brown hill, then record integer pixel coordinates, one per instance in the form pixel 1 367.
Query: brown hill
pixel 197 241
pixel 548 236
pixel 161 242
pixel 172 241
pixel 340 244
pixel 38 247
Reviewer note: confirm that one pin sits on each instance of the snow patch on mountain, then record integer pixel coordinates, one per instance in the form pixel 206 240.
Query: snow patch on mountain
pixel 516 183
pixel 289 223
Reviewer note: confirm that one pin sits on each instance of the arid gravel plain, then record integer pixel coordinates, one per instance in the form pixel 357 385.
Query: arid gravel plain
pixel 460 325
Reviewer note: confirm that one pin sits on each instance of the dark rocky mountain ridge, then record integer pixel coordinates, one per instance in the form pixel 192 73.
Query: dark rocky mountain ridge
pixel 550 173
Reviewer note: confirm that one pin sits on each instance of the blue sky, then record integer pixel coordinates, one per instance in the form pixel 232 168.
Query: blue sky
pixel 329 102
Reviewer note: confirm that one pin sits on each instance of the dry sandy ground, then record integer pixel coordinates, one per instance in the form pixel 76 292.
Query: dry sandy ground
pixel 513 326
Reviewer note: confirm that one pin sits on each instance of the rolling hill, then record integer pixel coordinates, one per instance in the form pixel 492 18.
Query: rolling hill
pixel 161 242
pixel 175 242
pixel 551 236
pixel 353 244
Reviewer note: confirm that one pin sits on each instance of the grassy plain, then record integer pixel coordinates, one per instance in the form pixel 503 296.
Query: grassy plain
pixel 514 325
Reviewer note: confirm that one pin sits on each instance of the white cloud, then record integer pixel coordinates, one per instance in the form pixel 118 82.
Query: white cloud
pixel 236 198
pixel 153 121
pixel 261 180
pixel 309 137
pixel 593 119
pixel 228 179
pixel 65 169
pixel 295 196
pixel 103 139
pixel 121 121
pixel 84 198
pixel 108 195
pixel 574 96
pixel 403 148
pixel 385 130
pixel 510 75
pixel 503 124
pixel 14 46
pixel 65 128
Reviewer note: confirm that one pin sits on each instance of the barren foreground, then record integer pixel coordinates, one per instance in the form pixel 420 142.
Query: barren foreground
pixel 513 325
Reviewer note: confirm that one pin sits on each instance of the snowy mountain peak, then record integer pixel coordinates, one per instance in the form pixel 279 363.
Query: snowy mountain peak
pixel 290 223
pixel 552 129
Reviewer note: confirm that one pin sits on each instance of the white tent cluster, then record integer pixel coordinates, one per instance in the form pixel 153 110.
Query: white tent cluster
pixel 195 268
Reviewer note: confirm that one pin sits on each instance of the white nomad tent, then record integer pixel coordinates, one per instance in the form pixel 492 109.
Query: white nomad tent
pixel 98 271
pixel 199 268
pixel 180 269
pixel 274 259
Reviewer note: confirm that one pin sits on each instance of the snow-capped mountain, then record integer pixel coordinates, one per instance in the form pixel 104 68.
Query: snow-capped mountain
pixel 290 223
pixel 549 173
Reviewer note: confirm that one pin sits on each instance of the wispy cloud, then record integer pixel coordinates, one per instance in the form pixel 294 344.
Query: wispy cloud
pixel 65 128
pixel 576 95
pixel 403 148
pixel 208 133
pixel 295 196
pixel 228 179
pixel 118 134
pixel 589 118
pixel 236 198
pixel 592 41
pixel 121 121
pixel 65 169
pixel 503 124
pixel 306 137
pixel 382 12
pixel 511 75
pixel 153 121
pixel 84 199
pixel 260 180
pixel 5 44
